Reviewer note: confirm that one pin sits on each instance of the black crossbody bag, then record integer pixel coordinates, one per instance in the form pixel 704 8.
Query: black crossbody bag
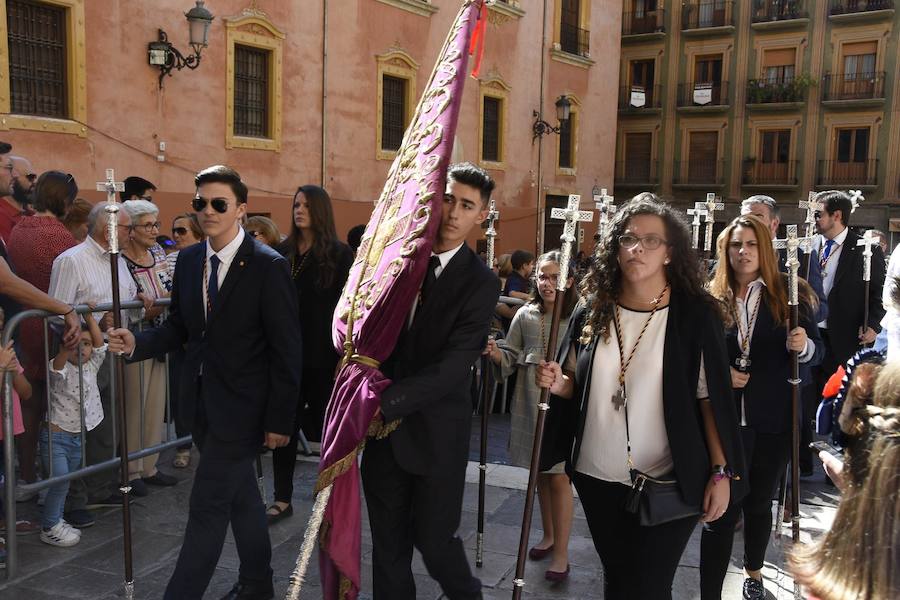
pixel 655 500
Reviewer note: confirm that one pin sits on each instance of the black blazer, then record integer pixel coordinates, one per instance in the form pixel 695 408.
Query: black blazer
pixel 250 350
pixel 693 328
pixel 847 299
pixel 767 395
pixel 431 366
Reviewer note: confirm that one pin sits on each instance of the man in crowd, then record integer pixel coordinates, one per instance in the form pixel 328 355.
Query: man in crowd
pixel 518 284
pixel 23 181
pixel 80 275
pixel 841 261
pixel 137 188
pixel 414 479
pixel 234 310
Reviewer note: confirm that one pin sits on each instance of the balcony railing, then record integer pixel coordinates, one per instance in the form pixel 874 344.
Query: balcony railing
pixel 770 91
pixel 766 11
pixel 637 172
pixel 841 173
pixel 844 7
pixel 638 97
pixel 638 23
pixel 574 40
pixel 703 94
pixel 707 13
pixel 699 172
pixel 757 172
pixel 853 86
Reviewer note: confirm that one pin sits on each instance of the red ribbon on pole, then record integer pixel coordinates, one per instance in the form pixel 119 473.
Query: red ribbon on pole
pixel 476 45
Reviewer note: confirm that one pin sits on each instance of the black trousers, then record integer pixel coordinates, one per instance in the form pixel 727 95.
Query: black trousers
pixel 176 359
pixel 407 510
pixel 639 563
pixel 767 456
pixel 315 391
pixel 224 494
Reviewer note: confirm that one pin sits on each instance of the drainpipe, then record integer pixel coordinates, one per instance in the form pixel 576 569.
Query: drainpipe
pixel 539 241
pixel 324 90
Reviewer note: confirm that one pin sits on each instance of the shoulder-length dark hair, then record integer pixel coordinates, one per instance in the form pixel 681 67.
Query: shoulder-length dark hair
pixel 603 283
pixel 54 192
pixel 570 298
pixel 321 218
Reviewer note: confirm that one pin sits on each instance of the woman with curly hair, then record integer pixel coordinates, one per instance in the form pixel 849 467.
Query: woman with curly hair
pixel 645 401
pixel 754 295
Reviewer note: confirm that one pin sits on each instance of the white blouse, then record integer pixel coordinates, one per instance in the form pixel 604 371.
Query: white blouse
pixel 604 450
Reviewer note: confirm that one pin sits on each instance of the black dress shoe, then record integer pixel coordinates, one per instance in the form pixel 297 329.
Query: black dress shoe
pixel 243 591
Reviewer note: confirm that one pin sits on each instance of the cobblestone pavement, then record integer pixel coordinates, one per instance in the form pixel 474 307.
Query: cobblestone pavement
pixel 92 569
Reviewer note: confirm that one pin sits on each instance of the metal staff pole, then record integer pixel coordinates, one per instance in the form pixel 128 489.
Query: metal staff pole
pixel 119 367
pixel 487 391
pixel 868 240
pixel 792 243
pixel 571 215
pixel 711 205
pixel 695 225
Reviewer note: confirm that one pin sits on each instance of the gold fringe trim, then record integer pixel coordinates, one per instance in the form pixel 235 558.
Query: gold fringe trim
pixel 377 429
pixel 344 590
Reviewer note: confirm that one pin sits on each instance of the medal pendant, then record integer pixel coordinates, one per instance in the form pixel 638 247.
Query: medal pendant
pixel 619 398
pixel 742 363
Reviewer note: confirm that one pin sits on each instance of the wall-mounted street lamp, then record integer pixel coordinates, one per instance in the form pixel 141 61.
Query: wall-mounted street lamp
pixel 542 127
pixel 167 57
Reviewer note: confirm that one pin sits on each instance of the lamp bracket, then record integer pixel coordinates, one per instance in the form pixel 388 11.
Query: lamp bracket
pixel 174 58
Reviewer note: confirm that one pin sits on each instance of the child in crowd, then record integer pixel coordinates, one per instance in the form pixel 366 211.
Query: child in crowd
pixel 64 423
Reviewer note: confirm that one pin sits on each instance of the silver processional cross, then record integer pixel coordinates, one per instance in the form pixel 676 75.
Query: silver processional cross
pixel 491 233
pixel 572 216
pixel 603 203
pixel 811 205
pixel 792 244
pixel 711 205
pixel 110 186
pixel 695 225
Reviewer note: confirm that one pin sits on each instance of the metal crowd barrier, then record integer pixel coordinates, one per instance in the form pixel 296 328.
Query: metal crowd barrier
pixel 112 463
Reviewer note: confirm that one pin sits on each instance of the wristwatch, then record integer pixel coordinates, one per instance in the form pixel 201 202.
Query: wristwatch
pixel 720 472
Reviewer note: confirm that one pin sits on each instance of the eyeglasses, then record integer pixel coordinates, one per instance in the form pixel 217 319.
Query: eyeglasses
pixel 220 205
pixel 542 278
pixel 148 227
pixel 649 242
pixel 179 231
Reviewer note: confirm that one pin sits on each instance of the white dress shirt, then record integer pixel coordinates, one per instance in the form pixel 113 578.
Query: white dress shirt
pixel 81 274
pixel 444 259
pixel 226 257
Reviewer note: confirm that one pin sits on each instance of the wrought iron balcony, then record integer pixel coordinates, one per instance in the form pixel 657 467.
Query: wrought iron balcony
pixel 842 173
pixel 757 172
pixel 846 7
pixel 703 94
pixel 574 40
pixel 853 86
pixel 636 97
pixel 767 11
pixel 707 13
pixel 699 172
pixel 639 23
pixel 637 172
pixel 770 91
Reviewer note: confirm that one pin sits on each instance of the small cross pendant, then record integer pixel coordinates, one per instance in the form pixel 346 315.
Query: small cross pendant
pixel 619 398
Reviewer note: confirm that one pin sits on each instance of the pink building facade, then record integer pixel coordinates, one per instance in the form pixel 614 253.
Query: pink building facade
pixel 327 72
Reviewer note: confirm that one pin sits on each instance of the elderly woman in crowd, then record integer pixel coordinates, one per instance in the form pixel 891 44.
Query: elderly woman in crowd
pixel 33 244
pixel 145 381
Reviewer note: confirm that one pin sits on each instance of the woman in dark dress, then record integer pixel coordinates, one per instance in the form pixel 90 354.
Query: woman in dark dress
pixel 319 267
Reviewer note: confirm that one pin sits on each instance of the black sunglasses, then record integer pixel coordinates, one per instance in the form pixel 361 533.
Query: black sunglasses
pixel 220 205
pixel 31 177
pixel 180 230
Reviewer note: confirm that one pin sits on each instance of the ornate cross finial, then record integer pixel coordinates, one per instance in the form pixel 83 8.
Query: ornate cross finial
pixel 856 196
pixel 812 206
pixel 110 186
pixel 711 205
pixel 793 243
pixel 572 216
pixel 695 225
pixel 868 240
pixel 492 217
pixel 603 203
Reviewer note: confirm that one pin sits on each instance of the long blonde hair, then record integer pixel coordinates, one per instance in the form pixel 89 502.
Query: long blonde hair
pixel 859 557
pixel 724 283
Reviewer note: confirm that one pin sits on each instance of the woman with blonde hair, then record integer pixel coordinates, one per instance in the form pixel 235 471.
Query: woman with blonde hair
pixel 753 293
pixel 263 229
pixel 859 557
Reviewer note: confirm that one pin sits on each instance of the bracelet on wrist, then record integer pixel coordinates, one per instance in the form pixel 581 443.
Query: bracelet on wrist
pixel 720 472
pixel 70 311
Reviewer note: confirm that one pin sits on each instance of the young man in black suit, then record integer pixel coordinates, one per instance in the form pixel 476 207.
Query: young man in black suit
pixel 235 308
pixel 414 479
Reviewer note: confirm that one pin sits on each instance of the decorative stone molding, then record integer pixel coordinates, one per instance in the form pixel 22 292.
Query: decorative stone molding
pixel 423 8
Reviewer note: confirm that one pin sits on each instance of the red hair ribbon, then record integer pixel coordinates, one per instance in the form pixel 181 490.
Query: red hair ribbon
pixel 478 40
